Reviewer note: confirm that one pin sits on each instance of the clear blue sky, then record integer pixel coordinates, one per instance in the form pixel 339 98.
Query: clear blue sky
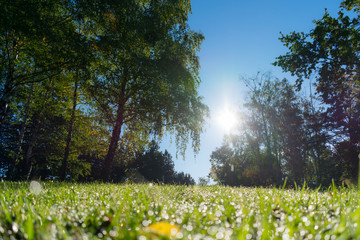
pixel 241 39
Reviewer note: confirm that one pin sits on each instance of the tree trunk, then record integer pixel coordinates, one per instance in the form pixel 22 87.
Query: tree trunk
pixel 64 165
pixel 10 54
pixel 115 136
pixel 113 143
pixel 29 152
pixel 5 99
pixel 268 173
pixel 15 161
pixel 4 106
pixel 354 150
pixel 13 166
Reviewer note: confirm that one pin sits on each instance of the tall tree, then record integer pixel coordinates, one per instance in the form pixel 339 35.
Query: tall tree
pixel 64 164
pixel 264 114
pixel 322 168
pixel 331 52
pixel 280 136
pixel 148 77
pixel 222 165
pixel 141 80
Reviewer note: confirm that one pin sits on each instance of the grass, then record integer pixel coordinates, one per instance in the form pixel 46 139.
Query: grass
pixel 112 211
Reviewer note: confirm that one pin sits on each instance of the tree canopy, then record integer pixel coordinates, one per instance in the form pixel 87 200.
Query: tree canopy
pixel 281 135
pixel 284 135
pixel 89 80
pixel 330 52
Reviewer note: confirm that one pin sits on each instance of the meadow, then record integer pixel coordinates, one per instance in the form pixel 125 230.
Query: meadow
pixel 155 211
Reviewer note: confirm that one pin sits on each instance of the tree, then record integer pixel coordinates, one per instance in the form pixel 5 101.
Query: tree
pixel 154 165
pixel 222 165
pixel 280 136
pixel 148 77
pixel 265 115
pixel 330 51
pixel 38 41
pixel 182 178
pixel 75 72
pixel 322 165
pixel 204 181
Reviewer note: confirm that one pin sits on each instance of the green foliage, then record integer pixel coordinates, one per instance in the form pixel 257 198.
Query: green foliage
pixel 330 52
pixel 204 181
pixel 155 166
pixel 280 136
pixel 84 80
pixel 147 76
pixel 97 211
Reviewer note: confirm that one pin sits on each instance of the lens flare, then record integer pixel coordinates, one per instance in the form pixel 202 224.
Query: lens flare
pixel 227 119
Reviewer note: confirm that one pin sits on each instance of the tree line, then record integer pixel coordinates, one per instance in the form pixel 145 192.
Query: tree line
pixel 284 135
pixel 87 84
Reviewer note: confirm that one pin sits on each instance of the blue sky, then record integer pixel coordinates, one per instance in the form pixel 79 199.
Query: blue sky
pixel 241 39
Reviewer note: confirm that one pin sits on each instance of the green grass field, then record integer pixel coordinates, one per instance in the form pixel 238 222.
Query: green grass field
pixel 130 211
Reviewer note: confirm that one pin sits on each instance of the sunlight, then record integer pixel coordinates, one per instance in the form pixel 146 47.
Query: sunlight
pixel 227 119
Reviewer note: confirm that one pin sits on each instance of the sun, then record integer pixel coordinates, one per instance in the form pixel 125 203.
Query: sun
pixel 227 119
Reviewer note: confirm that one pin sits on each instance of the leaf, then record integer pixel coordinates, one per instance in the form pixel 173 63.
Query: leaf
pixel 163 229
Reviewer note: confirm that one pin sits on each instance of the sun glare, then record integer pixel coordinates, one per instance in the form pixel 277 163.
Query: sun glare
pixel 227 120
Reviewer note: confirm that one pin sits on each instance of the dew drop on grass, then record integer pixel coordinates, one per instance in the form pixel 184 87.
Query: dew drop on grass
pixel 179 235
pixel 113 233
pixel 212 230
pixel 189 228
pixel 145 223
pixel 141 237
pixel 218 213
pixel 15 227
pixel 35 187
pixel 219 235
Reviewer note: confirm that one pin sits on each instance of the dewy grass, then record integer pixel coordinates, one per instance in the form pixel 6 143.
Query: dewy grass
pixel 129 211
